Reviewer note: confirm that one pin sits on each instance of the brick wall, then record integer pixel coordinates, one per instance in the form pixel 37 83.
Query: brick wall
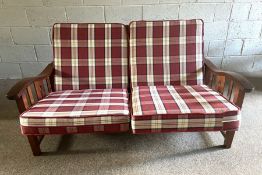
pixel 233 38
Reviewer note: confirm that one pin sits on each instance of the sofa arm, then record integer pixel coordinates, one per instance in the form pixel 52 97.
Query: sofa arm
pixel 28 91
pixel 232 85
pixel 247 86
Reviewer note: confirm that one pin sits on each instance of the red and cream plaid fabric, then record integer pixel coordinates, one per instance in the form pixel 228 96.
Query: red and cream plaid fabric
pixel 181 108
pixel 166 52
pixel 90 56
pixel 77 111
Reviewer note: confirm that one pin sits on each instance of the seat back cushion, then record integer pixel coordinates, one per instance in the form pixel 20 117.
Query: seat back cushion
pixel 166 52
pixel 90 56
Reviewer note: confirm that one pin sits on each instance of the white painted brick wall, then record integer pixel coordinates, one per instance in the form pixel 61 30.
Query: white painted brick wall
pixel 83 14
pixel 5 36
pixel 233 47
pixel 216 48
pixel 23 3
pixel 32 69
pixel 257 63
pixel 45 16
pixel 10 70
pixel 197 10
pixel 44 53
pixel 238 63
pixel 216 60
pixel 175 1
pixel 123 14
pixel 17 53
pixel 216 30
pixel 73 14
pixel 13 17
pixel 141 2
pixel 30 35
pixel 240 11
pixel 158 12
pixel 256 11
pixel 222 12
pixel 62 2
pixel 233 28
pixel 245 29
pixel 252 47
pixel 102 2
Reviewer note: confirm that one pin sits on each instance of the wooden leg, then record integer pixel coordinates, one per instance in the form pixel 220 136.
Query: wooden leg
pixel 35 144
pixel 229 136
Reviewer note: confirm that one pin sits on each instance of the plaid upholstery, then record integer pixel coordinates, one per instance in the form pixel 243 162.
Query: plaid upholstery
pixel 166 52
pixel 181 108
pixel 90 56
pixel 76 111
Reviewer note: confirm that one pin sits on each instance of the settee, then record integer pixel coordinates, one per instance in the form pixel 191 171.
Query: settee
pixel 147 77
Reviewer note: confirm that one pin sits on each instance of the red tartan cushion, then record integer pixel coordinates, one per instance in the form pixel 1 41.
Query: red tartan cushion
pixel 90 56
pixel 166 52
pixel 77 111
pixel 181 108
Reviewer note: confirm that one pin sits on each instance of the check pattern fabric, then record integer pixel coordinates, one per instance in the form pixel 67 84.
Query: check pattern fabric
pixel 166 52
pixel 78 111
pixel 90 56
pixel 181 108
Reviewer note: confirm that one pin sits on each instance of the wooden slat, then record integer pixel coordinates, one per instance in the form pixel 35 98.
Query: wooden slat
pixel 230 89
pixel 43 89
pixel 30 94
pixel 212 80
pixel 225 91
pixel 220 84
pixel 20 105
pixel 48 85
pixel 207 76
pixel 25 100
pixel 236 93
pixel 240 98
pixel 38 89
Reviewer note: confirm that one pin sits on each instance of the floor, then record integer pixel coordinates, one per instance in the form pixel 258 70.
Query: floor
pixel 174 153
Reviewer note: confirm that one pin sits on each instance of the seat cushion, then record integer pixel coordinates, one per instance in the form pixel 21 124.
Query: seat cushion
pixel 90 56
pixel 166 52
pixel 181 108
pixel 78 111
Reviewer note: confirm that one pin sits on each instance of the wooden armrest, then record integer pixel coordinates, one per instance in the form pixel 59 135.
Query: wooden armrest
pixel 21 85
pixel 246 85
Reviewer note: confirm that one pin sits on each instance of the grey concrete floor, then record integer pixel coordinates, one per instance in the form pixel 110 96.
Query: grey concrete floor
pixel 173 153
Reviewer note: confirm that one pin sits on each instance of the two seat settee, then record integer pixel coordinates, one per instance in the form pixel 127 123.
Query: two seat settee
pixel 147 77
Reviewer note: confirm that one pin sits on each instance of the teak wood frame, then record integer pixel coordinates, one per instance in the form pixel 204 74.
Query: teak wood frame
pixel 30 90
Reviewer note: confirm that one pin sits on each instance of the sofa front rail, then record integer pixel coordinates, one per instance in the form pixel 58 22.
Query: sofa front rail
pixel 28 92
